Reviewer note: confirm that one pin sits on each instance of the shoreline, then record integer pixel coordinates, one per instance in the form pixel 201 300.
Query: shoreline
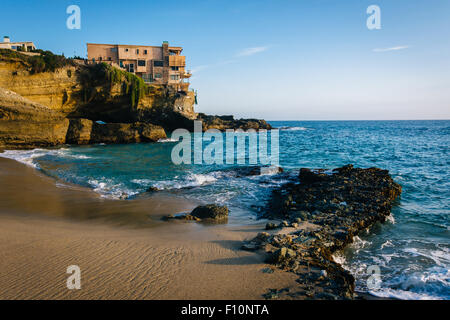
pixel 66 206
pixel 117 259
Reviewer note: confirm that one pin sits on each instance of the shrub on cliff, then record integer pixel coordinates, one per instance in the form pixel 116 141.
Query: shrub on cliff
pixel 47 61
pixel 131 85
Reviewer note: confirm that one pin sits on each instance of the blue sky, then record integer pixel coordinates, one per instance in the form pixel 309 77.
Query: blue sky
pixel 274 59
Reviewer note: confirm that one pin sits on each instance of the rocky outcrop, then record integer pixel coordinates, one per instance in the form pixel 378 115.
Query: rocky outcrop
pixel 133 111
pixel 323 210
pixel 126 133
pixel 79 131
pixel 210 213
pixel 26 124
pixel 228 122
pixel 84 131
pixel 94 92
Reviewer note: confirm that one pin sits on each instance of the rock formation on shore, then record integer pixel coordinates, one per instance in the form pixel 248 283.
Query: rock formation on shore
pixel 210 213
pixel 322 211
pixel 70 102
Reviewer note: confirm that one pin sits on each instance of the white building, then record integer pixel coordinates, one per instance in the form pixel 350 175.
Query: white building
pixel 18 46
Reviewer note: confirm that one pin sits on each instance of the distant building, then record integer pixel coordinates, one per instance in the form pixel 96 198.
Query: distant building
pixel 18 46
pixel 161 65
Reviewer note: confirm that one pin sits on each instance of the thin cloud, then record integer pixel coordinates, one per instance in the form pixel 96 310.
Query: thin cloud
pixel 390 49
pixel 251 51
pixel 243 53
pixel 199 68
pixel 206 66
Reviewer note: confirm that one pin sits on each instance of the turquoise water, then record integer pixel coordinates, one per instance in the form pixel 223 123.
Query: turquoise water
pixel 412 249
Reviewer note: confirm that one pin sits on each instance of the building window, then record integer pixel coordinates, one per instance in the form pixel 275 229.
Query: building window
pixel 100 59
pixel 158 63
pixel 174 77
pixel 126 50
pixel 121 63
pixel 113 49
pixel 109 58
pixel 158 76
pixel 147 77
pixel 175 68
pixel 145 51
pixel 141 63
pixel 137 51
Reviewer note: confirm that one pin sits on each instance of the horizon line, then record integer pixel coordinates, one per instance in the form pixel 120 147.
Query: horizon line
pixel 363 120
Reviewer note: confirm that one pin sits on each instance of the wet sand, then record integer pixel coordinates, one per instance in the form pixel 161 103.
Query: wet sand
pixel 123 249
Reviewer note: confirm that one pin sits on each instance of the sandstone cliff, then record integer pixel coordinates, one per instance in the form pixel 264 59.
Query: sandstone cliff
pixel 24 123
pixel 45 103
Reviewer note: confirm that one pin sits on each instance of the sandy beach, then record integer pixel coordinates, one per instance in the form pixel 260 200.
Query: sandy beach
pixel 123 249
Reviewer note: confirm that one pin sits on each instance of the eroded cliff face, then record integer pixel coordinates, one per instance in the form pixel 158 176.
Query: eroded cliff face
pixel 24 123
pixel 51 89
pixel 84 92
pixel 64 104
pixel 52 108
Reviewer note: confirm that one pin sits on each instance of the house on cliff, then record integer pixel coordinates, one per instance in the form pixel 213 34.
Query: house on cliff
pixel 157 65
pixel 17 46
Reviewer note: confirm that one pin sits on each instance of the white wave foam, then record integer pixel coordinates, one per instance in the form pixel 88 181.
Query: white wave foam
pixel 440 257
pixel 26 156
pixel 432 284
pixel 387 243
pixel 293 128
pixel 192 180
pixel 108 189
pixel 339 258
pixel 143 182
pixel 390 218
pixel 358 243
pixel 401 294
pixel 271 170
pixel 168 140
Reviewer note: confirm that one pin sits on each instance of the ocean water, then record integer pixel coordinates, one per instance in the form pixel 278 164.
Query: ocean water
pixel 412 249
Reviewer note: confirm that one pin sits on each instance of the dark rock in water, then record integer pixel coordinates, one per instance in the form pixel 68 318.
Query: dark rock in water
pixel 228 122
pixel 211 211
pixel 307 176
pixel 247 171
pixel 335 206
pixel 152 189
